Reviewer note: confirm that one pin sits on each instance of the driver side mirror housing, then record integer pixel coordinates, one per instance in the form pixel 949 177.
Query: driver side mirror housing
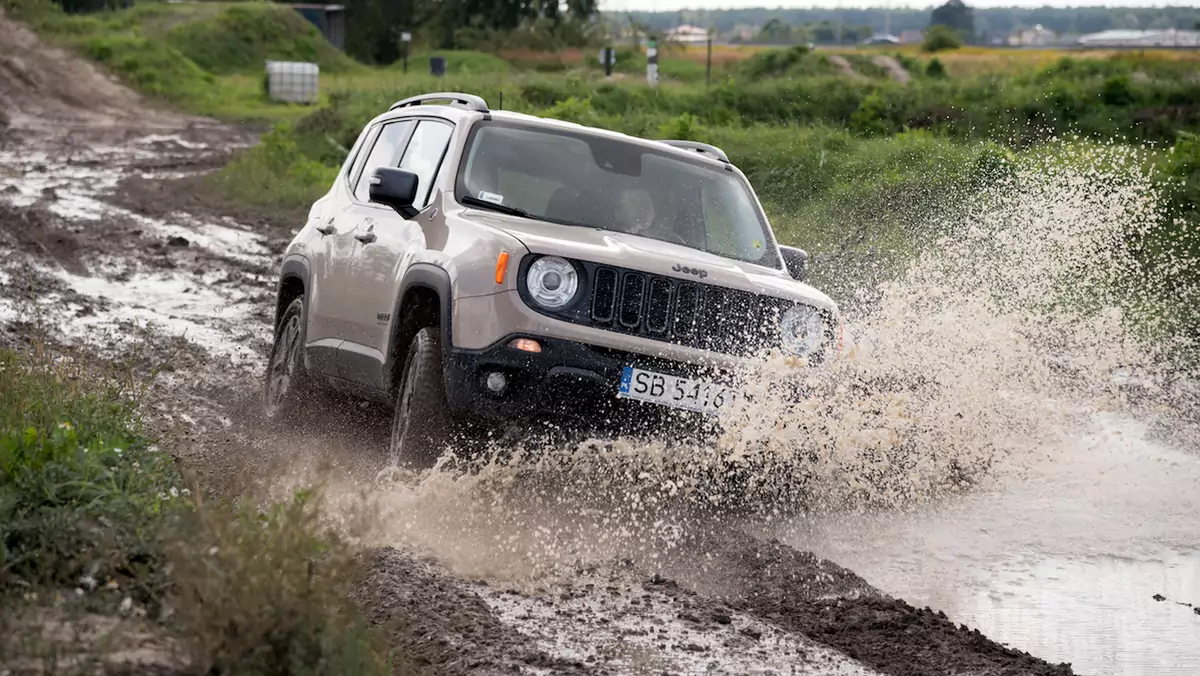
pixel 796 261
pixel 395 188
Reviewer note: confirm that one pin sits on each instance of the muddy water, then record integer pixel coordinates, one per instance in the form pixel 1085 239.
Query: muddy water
pixel 106 275
pixel 1065 561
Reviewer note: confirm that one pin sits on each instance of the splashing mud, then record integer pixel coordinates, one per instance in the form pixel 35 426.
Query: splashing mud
pixel 985 358
pixel 1002 337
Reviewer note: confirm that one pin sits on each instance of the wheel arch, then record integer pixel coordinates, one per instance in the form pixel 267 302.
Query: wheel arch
pixel 293 283
pixel 423 300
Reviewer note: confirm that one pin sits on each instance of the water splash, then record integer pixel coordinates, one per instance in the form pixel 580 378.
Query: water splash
pixel 1005 334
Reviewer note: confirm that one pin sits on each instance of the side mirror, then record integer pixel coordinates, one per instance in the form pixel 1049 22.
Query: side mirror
pixel 796 261
pixel 395 188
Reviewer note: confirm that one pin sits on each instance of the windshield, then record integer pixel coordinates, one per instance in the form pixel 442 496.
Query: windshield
pixel 593 181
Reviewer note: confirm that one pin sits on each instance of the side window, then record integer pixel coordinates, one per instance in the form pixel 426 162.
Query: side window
pixel 360 155
pixel 424 155
pixel 385 153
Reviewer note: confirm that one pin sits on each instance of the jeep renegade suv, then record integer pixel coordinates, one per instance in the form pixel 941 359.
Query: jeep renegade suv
pixel 478 265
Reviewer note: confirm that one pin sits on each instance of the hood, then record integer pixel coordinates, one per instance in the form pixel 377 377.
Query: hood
pixel 650 255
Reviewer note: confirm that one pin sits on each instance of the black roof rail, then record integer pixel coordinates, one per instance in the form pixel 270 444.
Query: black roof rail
pixel 701 148
pixel 470 101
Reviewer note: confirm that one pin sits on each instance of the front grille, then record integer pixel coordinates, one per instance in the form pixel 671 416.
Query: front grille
pixel 681 312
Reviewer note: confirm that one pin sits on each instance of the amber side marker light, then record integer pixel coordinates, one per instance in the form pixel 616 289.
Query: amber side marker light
pixel 501 266
pixel 525 344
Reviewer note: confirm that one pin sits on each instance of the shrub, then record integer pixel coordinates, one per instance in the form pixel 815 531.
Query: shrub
pixel 940 38
pixel 573 109
pixel 268 592
pixel 683 128
pixel 275 173
pixel 773 62
pixel 1117 90
pixel 935 69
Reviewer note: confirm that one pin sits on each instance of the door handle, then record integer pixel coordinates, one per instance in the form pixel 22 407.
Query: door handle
pixel 365 237
pixel 327 229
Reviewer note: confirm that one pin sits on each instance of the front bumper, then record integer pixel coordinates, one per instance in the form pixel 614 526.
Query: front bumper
pixel 567 379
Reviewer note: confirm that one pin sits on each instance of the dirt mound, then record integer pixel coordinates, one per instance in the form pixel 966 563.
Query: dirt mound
pixel 41 84
pixel 846 69
pixel 894 68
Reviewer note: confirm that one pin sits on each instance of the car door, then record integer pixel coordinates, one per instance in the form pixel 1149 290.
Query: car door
pixel 385 149
pixel 387 243
pixel 328 263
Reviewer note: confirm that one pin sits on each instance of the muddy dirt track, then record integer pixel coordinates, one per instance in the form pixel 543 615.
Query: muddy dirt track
pixel 94 255
pixel 109 243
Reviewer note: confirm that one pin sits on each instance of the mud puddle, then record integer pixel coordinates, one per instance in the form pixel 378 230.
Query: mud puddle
pixel 1090 558
pixel 89 268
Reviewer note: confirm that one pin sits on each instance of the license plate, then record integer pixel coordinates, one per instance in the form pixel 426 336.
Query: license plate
pixel 668 390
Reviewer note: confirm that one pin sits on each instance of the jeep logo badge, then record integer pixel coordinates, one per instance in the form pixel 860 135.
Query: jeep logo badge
pixel 691 271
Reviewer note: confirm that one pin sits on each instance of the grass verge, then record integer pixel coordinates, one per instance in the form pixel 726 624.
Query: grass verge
pixel 96 522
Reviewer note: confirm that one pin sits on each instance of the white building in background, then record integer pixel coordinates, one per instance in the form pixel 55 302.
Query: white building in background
pixel 1137 38
pixel 686 34
pixel 1033 37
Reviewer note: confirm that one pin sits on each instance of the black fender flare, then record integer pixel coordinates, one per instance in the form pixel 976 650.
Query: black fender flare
pixel 293 267
pixel 423 276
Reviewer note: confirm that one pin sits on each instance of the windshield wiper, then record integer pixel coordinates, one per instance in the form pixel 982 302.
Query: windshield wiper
pixel 502 208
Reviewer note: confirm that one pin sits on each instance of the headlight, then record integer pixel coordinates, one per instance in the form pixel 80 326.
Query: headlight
pixel 552 282
pixel 801 330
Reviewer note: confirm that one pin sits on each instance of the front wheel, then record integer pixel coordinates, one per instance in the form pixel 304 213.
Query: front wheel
pixel 422 426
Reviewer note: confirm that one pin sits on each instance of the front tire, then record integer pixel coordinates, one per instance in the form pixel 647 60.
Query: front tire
pixel 422 426
pixel 286 384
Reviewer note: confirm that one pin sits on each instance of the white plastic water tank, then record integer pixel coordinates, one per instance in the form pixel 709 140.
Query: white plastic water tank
pixel 292 81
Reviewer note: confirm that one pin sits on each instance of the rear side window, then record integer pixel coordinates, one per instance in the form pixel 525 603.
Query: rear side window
pixel 385 153
pixel 424 156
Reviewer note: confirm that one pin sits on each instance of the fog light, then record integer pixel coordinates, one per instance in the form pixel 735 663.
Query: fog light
pixel 526 344
pixel 496 382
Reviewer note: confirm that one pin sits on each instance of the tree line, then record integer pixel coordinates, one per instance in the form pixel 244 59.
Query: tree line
pixel 988 22
pixel 374 27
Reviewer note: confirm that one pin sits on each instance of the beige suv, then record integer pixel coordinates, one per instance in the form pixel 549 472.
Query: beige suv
pixel 478 266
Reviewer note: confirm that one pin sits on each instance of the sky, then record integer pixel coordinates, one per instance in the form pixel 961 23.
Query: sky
pixel 675 5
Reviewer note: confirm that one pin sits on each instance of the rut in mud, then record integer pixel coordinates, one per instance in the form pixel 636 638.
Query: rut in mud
pixel 608 556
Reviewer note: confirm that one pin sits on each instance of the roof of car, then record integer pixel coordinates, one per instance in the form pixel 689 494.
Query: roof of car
pixel 562 124
pixel 457 113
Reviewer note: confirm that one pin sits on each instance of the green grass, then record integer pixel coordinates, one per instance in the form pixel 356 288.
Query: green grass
pixel 154 68
pixel 243 37
pixel 276 173
pixel 94 518
pixel 458 63
pixel 72 457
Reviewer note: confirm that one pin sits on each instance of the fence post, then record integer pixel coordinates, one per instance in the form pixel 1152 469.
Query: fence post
pixel 652 61
pixel 708 62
